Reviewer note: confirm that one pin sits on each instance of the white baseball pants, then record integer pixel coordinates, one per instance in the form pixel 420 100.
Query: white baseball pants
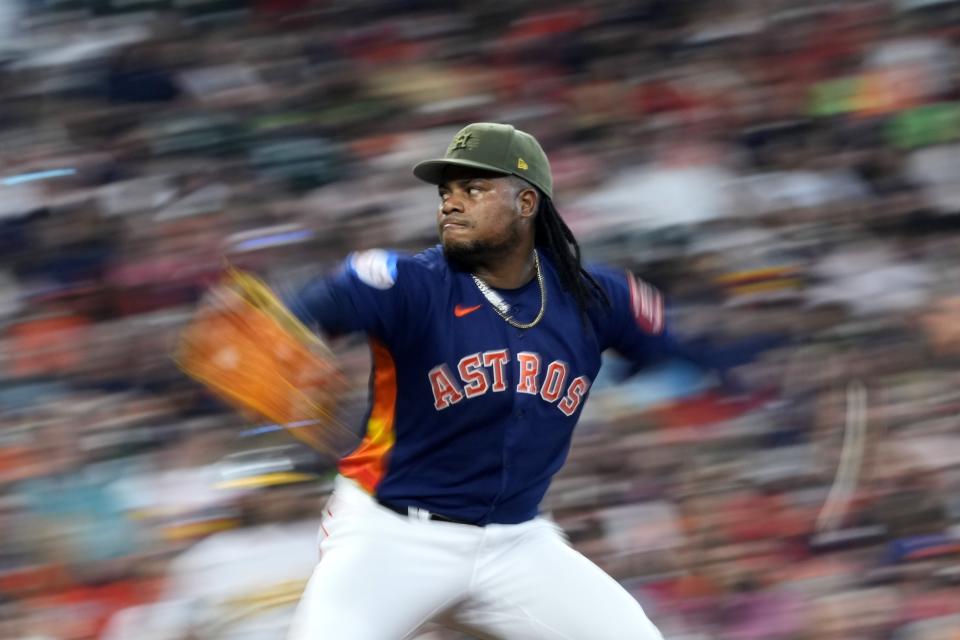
pixel 382 575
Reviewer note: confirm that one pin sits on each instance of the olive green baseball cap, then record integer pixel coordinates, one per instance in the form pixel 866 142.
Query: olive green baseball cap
pixel 499 148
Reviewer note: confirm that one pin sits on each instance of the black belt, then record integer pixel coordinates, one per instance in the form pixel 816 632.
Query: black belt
pixel 428 515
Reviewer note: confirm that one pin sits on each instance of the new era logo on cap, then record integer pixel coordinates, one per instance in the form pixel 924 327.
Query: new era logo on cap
pixel 521 164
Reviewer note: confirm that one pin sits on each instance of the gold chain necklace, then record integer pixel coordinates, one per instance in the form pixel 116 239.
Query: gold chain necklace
pixel 503 309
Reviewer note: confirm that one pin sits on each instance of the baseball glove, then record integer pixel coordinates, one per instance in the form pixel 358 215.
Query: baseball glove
pixel 251 351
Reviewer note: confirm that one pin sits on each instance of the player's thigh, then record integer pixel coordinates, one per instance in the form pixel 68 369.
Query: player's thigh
pixel 379 578
pixel 543 589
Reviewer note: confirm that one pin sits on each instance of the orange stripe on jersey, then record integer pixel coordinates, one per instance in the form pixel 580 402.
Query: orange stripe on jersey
pixel 368 462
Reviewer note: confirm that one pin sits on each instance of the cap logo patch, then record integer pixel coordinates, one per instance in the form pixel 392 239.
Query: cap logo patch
pixel 464 141
pixel 521 164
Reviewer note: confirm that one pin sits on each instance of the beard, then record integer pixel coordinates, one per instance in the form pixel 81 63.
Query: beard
pixel 469 255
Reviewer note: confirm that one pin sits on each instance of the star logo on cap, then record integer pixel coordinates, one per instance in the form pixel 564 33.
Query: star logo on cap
pixel 464 141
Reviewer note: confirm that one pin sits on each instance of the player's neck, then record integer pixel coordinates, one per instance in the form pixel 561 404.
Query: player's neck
pixel 510 271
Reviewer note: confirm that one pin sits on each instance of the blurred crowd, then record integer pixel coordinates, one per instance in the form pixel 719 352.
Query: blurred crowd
pixel 779 168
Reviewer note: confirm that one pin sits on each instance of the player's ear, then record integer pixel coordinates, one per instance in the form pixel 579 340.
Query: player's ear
pixel 527 200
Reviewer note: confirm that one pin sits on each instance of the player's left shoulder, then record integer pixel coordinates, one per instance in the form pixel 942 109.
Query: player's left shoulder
pixel 627 290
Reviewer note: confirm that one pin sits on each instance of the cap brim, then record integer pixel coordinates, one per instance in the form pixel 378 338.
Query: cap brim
pixel 432 170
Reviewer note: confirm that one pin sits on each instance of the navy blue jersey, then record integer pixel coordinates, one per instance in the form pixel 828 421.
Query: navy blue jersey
pixel 470 417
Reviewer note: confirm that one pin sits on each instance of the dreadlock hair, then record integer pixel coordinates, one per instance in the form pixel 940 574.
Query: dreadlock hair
pixel 554 236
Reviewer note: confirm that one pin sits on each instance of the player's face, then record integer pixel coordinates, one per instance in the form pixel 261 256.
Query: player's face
pixel 478 217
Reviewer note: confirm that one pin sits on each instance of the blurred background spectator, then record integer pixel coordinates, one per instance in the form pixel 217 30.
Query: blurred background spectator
pixel 781 169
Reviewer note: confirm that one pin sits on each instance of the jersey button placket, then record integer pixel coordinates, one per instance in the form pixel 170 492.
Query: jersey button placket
pixel 514 424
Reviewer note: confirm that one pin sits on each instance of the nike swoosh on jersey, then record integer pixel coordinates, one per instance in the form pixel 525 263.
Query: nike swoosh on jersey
pixel 462 311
